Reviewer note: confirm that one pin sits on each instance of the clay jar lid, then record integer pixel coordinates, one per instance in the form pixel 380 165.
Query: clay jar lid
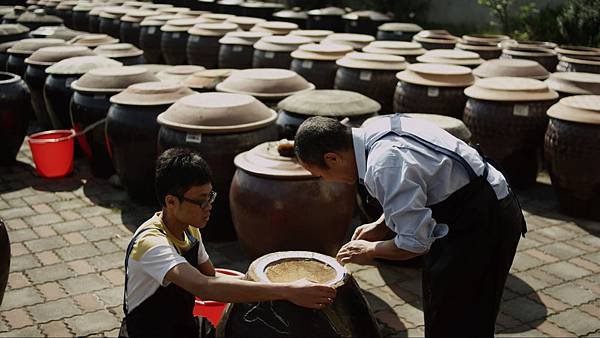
pixel 137 15
pixel 265 160
pixel 483 39
pixel 579 108
pixel 511 67
pixel 451 57
pixel 158 20
pixel 114 12
pixel 367 15
pixel 583 60
pixel 66 5
pixel 259 4
pixel 173 10
pixel 216 17
pixel 327 11
pixel 83 7
pixel 153 68
pixel 450 124
pixel 245 22
pixel 212 29
pixel 180 25
pixel 49 55
pixel 575 83
pixel 505 88
pixel 316 35
pixel 55 32
pixel 528 44
pixel 112 80
pixel 28 46
pixel 437 75
pixel 81 65
pixel 265 83
pixel 155 7
pixel 178 73
pixel 12 29
pixel 277 43
pixel 435 36
pixel 118 50
pixel 242 38
pixel 528 51
pixel 372 61
pixel 575 51
pixel 217 113
pixel 151 94
pixel 357 41
pixel 294 13
pixel 39 16
pixel 275 27
pixel 96 10
pixel 207 80
pixel 93 40
pixel 327 52
pixel 6 46
pixel 400 27
pixel 395 48
pixel 329 102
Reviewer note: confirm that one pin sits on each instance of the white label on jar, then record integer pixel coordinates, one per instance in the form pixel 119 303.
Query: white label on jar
pixel 433 91
pixel 151 30
pixel 269 55
pixel 521 110
pixel 237 48
pixel 176 35
pixel 307 64
pixel 193 138
pixel 365 75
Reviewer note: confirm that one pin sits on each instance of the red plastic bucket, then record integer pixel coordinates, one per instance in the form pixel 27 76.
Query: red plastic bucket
pixel 210 309
pixel 52 152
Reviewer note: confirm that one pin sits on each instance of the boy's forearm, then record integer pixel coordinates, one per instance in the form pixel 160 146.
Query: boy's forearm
pixel 389 250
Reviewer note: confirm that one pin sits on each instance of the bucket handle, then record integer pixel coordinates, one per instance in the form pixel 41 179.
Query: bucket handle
pixel 90 127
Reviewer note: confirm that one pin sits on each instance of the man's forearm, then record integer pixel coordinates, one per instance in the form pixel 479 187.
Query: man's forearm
pixel 389 250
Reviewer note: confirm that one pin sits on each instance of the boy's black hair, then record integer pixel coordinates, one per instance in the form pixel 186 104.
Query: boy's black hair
pixel 319 135
pixel 179 169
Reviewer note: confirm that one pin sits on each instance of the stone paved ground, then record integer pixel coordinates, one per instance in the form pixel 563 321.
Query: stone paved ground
pixel 68 239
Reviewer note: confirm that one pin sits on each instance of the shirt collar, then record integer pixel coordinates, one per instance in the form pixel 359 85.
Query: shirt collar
pixel 360 153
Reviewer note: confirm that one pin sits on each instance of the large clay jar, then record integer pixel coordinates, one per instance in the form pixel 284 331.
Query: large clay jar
pixel 4 258
pixel 90 105
pixel 4 47
pixel 451 57
pixel 64 10
pixel 151 35
pixel 587 64
pixel 38 18
pixel 110 20
pixel 173 43
pixel 486 45
pixel 350 107
pixel 545 57
pixel 507 116
pixel 326 18
pixel 365 22
pixel 230 7
pixel 572 144
pixel 22 49
pixel 432 88
pixel 511 67
pixel 348 316
pixel 275 27
pixel 219 126
pixel 236 49
pixel 275 51
pixel 294 15
pixel 125 53
pixel 93 40
pixel 436 39
pixel 373 75
pixel 244 22
pixel 94 19
pixel 206 80
pixel 13 32
pixel 58 91
pixel 129 30
pixel 15 111
pixel 11 17
pixel 570 83
pixel 55 32
pixel 408 50
pixel 356 41
pixel 203 43
pixel 270 85
pixel 155 7
pixel 316 62
pixel 35 75
pixel 81 17
pixel 132 133
pixel 49 7
pixel 576 51
pixel 397 31
pixel 315 35
pixel 262 10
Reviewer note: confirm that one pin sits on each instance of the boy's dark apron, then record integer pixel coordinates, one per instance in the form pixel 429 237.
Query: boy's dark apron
pixel 465 271
pixel 168 312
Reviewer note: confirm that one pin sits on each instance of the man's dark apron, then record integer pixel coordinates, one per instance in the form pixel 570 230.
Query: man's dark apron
pixel 465 271
pixel 168 312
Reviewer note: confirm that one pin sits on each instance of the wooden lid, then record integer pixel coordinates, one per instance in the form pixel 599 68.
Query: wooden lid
pixel 275 27
pixel 451 57
pixel 575 83
pixel 512 68
pixel 510 89
pixel 265 83
pixel 329 102
pixel 81 64
pixel 327 52
pixel 579 108
pixel 277 43
pixel 49 55
pixel 264 160
pixel 114 79
pixel 316 35
pixel 93 40
pixel 151 94
pixel 357 41
pixel 400 27
pixel 437 75
pixel 118 50
pixel 359 60
pixel 212 29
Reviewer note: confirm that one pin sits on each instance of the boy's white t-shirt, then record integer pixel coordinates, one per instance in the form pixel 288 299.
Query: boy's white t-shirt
pixel 154 253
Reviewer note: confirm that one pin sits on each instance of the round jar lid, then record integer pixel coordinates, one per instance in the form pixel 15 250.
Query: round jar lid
pixel 6 46
pixel 575 83
pixel 280 43
pixel 155 7
pixel 291 14
pixel 180 25
pixel 151 94
pixel 158 20
pixel 484 38
pixel 216 17
pixel 173 10
pixel 400 27
pixel 66 5
pixel 437 75
pixel 259 4
pixel 275 27
pixel 265 83
pixel 434 38
pixel 462 45
pixel 357 41
pixel 316 35
pixel 450 124
pixel 153 68
pixel 178 73
pixel 245 22
pixel 207 79
pixel 212 29
pixel 316 51
pixel 118 50
pixel 114 79
pixel 55 32
pixel 327 11
pixel 330 102
pixel 93 40
pixel 217 113
pixel 511 67
pixel 80 65
pixel 577 51
pixel 83 7
pixel 49 55
pixel 579 108
pixel 504 88
pixel 242 38
pixel 28 46
pixel 12 29
pixel 115 11
pixel 528 51
pixel 359 60
pixel 137 15
pixel 528 44
pixel 96 10
pixel 401 48
pixel 265 160
pixel 133 4
pixel 583 60
pixel 451 57
pixel 367 15
pixel 39 16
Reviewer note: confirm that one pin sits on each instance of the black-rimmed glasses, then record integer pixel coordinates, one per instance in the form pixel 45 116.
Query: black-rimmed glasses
pixel 202 203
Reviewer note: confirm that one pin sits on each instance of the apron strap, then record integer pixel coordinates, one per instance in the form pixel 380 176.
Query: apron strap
pixel 127 254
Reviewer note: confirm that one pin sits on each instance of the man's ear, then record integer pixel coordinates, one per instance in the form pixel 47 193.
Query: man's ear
pixel 331 159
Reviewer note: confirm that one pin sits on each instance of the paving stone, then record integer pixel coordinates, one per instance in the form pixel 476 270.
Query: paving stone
pixel 108 246
pixel 99 221
pixel 547 278
pixel 22 263
pixel 69 215
pixel 16 224
pixel 99 234
pixel 106 262
pixel 51 291
pixel 93 211
pixel 557 233
pixel 111 296
pixel 91 323
pixel 18 249
pixel 522 331
pixel 75 238
pixel 369 278
pixel 561 250
pixel 79 251
pixel 21 297
pixel 408 312
pixel 47 257
pixel 114 276
pixel 40 198
pixel 536 253
pixel 576 321
pixel 44 231
pixel 524 309
pixel 553 330
pixel 88 302
pixel 3 326
pixel 592 308
pixel 20 193
pixel 17 280
pixel 45 244
pixel 84 284
pixel 571 293
pixel 30 331
pixel 49 273
pixel 589 284
pixel 121 242
pixel 56 329
pixel 552 304
pixel 22 235
pixel 17 318
pixel 523 262
pixel 71 226
pixel 390 319
pixel 566 271
pixel 54 310
pixel 80 267
pixel 505 321
pixel 43 219
pixel 17 203
pixel 68 205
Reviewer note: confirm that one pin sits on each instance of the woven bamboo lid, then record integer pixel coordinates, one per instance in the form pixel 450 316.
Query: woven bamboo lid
pixel 451 57
pixel 327 52
pixel 579 108
pixel 49 55
pixel 264 160
pixel 400 27
pixel 401 48
pixel 118 50
pixel 437 75
pixel 212 29
pixel 275 27
pixel 316 35
pixel 357 41
pixel 265 83
pixel 112 80
pixel 12 29
pixel 93 40
pixel 207 80
pixel 575 83
pixel 359 60
pixel 510 89
pixel 217 113
pixel 242 38
pixel 28 46
pixel 81 64
pixel 178 73
pixel 329 102
pixel 511 67
pixel 151 94
pixel 280 43
pixel 245 22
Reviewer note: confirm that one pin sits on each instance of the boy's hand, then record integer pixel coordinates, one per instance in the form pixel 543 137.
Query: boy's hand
pixel 357 251
pixel 308 294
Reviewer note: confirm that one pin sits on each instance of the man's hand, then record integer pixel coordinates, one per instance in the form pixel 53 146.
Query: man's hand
pixel 356 251
pixel 308 294
pixel 376 231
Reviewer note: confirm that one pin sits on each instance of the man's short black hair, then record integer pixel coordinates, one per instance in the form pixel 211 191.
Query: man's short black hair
pixel 317 136
pixel 179 169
